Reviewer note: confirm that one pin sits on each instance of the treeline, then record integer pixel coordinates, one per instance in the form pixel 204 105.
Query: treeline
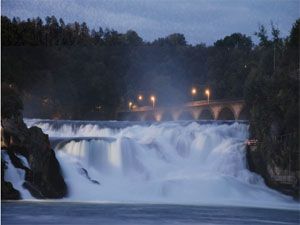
pixel 53 32
pixel 69 71
pixel 272 95
pixel 66 70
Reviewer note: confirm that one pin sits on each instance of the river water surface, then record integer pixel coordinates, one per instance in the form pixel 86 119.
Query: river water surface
pixel 31 213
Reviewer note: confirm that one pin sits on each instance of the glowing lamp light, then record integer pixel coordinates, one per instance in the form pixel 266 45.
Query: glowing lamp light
pixel 207 93
pixel 194 91
pixel 152 99
pixel 140 97
pixel 130 105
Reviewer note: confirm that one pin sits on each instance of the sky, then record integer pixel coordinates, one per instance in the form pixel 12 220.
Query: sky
pixel 201 21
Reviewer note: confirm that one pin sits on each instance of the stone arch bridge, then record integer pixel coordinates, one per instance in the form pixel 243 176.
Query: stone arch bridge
pixel 196 110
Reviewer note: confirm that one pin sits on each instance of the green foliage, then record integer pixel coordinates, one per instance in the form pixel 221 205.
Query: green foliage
pixel 171 40
pixel 228 65
pixel 272 93
pixel 11 103
pixel 67 70
pixel 262 35
pixel 293 40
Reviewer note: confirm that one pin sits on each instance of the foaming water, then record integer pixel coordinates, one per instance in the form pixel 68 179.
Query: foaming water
pixel 172 162
pixel 14 175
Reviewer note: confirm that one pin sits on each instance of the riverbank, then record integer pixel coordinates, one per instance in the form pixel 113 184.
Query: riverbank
pixel 283 180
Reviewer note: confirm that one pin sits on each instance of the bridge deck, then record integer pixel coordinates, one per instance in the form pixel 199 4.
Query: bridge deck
pixel 216 110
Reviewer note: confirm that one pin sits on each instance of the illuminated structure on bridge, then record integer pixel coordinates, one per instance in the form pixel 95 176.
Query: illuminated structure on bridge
pixel 196 110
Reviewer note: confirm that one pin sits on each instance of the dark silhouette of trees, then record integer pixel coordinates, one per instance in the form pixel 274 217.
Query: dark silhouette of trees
pixel 69 71
pixel 11 103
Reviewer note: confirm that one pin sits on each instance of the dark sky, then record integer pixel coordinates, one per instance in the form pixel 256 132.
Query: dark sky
pixel 199 20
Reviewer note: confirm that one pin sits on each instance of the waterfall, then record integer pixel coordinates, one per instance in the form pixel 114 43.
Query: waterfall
pixel 15 175
pixel 169 162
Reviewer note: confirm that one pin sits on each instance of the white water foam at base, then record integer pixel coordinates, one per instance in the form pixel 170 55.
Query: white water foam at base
pixel 162 163
pixel 15 175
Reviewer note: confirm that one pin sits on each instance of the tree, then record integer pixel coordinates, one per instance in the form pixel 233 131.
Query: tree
pixel 11 103
pixel 262 35
pixel 228 65
pixel 132 38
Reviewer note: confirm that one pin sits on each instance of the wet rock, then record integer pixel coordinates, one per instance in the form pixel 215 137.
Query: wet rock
pixel 274 176
pixel 43 179
pixel 7 190
pixel 33 190
pixel 85 173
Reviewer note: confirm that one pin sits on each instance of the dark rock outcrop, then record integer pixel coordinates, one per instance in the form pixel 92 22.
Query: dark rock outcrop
pixel 44 165
pixel 44 173
pixel 261 162
pixel 43 179
pixel 8 192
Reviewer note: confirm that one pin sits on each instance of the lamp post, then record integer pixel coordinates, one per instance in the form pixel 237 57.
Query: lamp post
pixel 194 93
pixel 130 105
pixel 153 99
pixel 207 93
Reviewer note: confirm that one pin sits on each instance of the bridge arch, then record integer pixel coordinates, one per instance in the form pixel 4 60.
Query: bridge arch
pixel 149 117
pixel 244 114
pixel 206 114
pixel 196 113
pixel 167 116
pixel 133 117
pixel 226 113
pixel 214 110
pixel 186 115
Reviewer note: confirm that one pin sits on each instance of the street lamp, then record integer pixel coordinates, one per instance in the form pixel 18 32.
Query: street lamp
pixel 130 105
pixel 153 99
pixel 140 97
pixel 194 93
pixel 207 93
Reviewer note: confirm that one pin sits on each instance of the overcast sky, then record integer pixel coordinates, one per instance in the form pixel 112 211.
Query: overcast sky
pixel 199 20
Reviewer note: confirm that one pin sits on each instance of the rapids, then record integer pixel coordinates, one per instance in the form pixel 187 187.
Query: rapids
pixel 169 162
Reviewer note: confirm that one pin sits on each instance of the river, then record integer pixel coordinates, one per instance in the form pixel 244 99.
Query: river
pixel 188 172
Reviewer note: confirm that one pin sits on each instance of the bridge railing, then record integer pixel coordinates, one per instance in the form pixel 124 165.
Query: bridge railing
pixel 187 104
pixel 205 102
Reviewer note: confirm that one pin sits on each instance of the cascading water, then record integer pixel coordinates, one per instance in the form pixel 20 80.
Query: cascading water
pixel 171 162
pixel 14 175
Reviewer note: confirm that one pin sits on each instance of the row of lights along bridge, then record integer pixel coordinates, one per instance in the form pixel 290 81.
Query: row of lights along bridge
pixel 153 99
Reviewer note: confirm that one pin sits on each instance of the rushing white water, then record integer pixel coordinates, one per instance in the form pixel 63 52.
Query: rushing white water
pixel 188 163
pixel 16 176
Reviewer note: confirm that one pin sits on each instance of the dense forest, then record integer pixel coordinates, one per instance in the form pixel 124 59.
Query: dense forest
pixel 69 71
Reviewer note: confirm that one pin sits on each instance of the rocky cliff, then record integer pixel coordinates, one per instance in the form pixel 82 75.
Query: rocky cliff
pixel 278 174
pixel 43 176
